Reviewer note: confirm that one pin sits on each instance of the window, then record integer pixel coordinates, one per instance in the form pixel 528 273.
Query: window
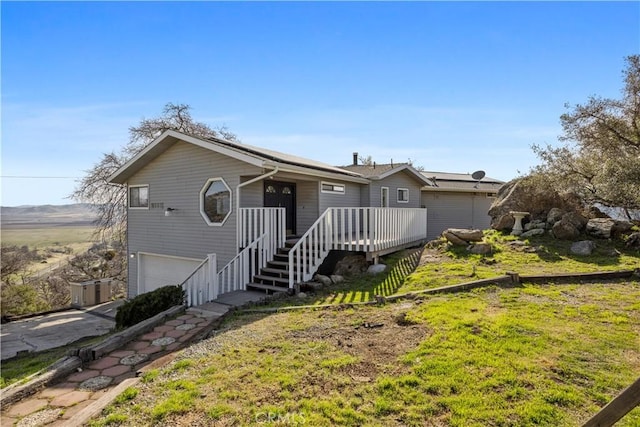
pixel 403 195
pixel 384 197
pixel 139 197
pixel 215 201
pixel 329 187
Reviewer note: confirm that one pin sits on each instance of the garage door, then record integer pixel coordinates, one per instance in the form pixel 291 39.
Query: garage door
pixel 447 210
pixel 155 271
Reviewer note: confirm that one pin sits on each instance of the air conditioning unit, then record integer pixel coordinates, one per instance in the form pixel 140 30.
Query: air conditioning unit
pixel 92 292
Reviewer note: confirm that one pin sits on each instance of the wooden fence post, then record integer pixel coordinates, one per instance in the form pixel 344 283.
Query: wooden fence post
pixel 617 408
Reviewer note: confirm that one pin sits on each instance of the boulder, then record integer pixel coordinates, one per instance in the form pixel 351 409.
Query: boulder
pixel 621 228
pixel 453 239
pixel 600 227
pixel 376 269
pixel 535 224
pixel 465 234
pixel 583 247
pixel 314 286
pixel 336 278
pixel 351 265
pixel 565 230
pixel 554 215
pixel 504 223
pixel 595 212
pixel 633 241
pixel 480 248
pixel 325 280
pixel 533 232
pixel 533 196
pixel 577 219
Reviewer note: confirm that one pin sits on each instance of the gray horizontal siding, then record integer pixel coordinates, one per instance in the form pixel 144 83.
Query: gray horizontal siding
pixel 350 198
pixel 175 180
pixel 306 205
pixel 455 210
pixel 393 182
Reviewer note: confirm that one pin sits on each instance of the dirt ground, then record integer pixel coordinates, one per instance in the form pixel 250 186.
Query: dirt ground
pixel 375 337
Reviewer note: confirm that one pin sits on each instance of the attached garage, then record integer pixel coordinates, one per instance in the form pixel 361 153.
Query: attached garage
pixel 156 270
pixel 455 210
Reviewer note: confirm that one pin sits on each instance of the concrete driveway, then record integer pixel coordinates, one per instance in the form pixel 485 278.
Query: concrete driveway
pixel 57 329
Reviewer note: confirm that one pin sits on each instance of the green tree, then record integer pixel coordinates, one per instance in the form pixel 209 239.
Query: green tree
pixel 599 159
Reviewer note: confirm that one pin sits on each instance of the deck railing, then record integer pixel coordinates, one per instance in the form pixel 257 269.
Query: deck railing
pixel 256 222
pixel 370 230
pixel 354 229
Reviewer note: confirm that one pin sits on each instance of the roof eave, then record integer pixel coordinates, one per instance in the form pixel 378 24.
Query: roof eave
pixel 459 190
pixel 286 167
pixel 408 168
pixel 163 142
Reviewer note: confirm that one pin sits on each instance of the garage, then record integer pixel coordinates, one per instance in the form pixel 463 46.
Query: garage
pixel 455 210
pixel 156 270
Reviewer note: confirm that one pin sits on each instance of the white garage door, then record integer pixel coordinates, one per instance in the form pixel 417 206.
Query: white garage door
pixel 155 271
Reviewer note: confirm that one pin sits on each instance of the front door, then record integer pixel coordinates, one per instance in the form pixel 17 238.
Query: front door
pixel 282 195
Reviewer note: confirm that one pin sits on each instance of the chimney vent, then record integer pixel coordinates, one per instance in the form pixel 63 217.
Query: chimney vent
pixel 355 158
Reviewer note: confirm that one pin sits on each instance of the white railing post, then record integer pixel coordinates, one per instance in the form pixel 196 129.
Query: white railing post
pixel 213 276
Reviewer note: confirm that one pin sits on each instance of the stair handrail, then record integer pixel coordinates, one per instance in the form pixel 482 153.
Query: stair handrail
pixel 193 292
pixel 322 244
pixel 239 270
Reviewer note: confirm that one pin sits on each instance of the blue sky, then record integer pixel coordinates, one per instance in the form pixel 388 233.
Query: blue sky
pixel 453 86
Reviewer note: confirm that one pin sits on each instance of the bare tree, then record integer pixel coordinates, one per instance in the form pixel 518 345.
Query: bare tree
pixel 110 200
pixel 600 158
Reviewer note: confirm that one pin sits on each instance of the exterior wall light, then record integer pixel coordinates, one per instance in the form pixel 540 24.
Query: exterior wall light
pixel 169 211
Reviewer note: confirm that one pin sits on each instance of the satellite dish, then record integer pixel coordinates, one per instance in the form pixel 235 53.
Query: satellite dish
pixel 478 175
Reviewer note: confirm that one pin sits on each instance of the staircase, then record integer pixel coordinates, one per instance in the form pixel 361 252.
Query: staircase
pixel 275 276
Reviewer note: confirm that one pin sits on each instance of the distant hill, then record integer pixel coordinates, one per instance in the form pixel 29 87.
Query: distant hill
pixel 76 214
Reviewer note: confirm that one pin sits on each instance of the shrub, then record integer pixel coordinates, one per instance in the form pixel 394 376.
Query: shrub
pixel 148 305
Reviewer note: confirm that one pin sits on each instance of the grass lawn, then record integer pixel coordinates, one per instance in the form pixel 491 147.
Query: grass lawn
pixel 532 355
pixel 416 269
pixel 20 367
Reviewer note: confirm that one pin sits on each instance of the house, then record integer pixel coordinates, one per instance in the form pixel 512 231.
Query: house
pixel 218 216
pixel 452 200
pixel 455 200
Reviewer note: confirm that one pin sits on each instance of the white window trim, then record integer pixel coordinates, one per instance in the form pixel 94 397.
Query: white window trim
pixel 333 191
pixel 202 193
pixel 129 197
pixel 382 189
pixel 398 192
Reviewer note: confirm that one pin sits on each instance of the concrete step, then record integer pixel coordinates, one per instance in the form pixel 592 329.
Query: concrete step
pixel 210 309
pixel 267 287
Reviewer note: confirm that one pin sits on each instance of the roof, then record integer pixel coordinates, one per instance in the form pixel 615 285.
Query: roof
pixel 256 156
pixel 381 171
pixel 280 157
pixel 447 181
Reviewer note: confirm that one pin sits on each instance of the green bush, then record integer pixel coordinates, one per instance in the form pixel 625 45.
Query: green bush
pixel 148 305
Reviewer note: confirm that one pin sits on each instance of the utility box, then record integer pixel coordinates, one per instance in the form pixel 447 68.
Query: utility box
pixel 91 292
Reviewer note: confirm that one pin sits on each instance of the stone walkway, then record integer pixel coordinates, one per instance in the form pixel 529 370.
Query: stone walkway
pixel 56 404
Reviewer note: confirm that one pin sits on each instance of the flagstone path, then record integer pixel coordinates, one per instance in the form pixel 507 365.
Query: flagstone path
pixel 56 404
